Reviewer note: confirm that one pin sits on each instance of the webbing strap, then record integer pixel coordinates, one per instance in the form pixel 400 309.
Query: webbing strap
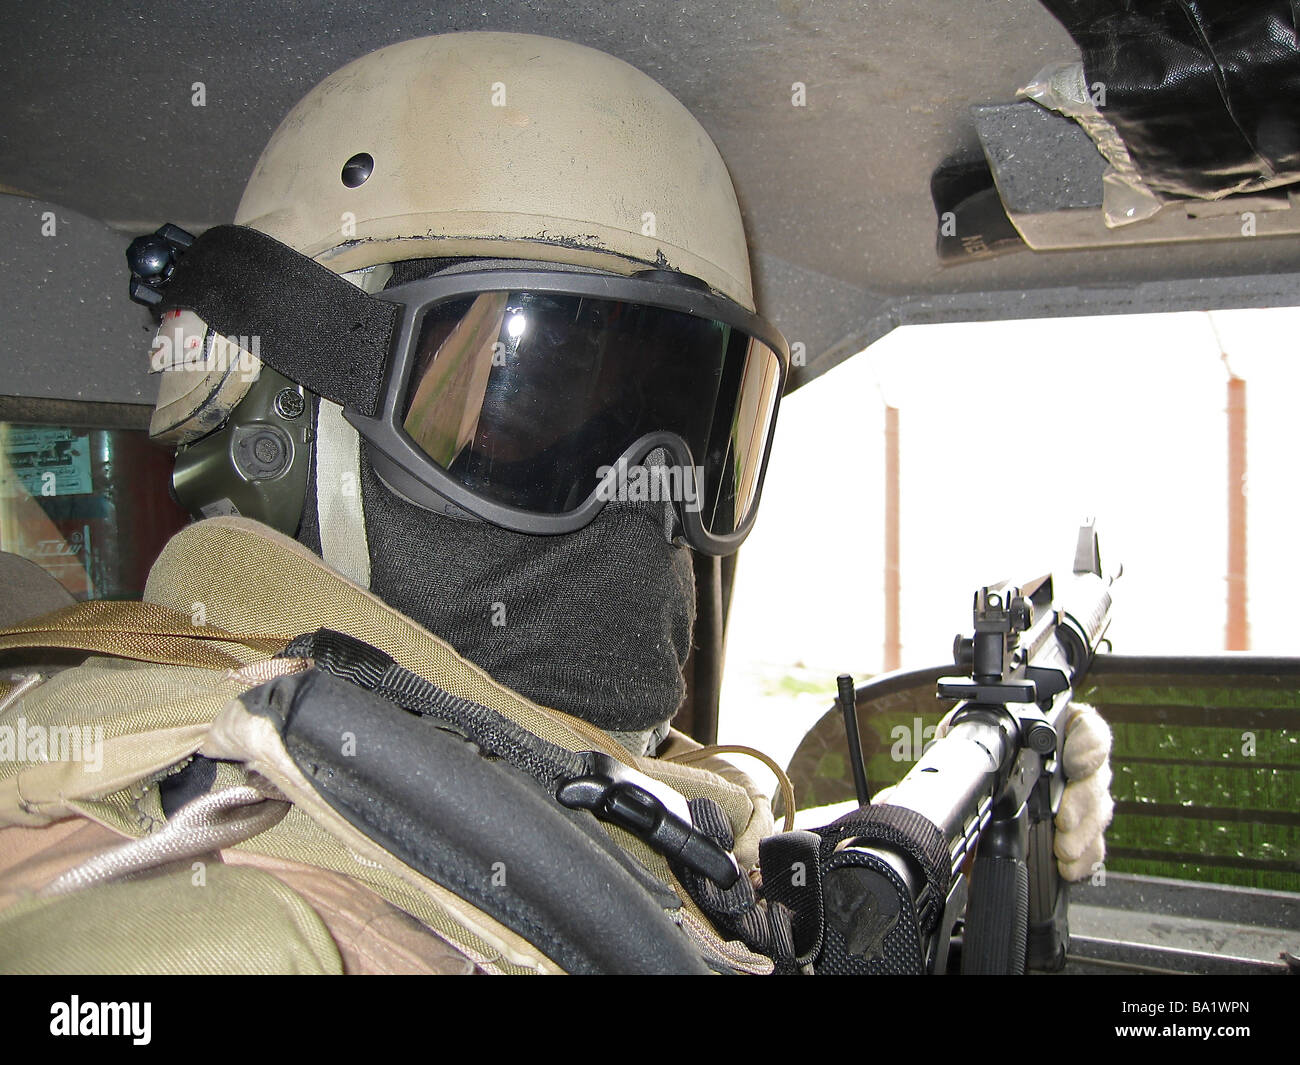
pixel 144 631
pixel 914 833
pixel 340 509
pixel 792 877
pixel 737 909
pixel 368 667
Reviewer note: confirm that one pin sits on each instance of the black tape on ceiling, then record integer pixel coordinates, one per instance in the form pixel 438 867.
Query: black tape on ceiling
pixel 1203 93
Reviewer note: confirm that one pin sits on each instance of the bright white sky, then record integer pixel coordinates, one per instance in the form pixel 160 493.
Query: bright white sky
pixel 1010 433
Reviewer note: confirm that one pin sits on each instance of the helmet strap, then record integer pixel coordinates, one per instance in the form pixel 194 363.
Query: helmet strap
pixel 340 512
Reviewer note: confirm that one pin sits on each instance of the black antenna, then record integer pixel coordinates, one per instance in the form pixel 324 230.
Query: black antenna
pixel 849 707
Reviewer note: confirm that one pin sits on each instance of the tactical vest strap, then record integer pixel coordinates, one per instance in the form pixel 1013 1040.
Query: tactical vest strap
pixel 146 632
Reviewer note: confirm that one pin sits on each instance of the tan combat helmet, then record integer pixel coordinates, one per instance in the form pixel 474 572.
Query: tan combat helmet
pixel 499 145
pixel 490 145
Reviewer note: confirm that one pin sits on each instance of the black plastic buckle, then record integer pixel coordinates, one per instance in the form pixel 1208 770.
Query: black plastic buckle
pixel 651 811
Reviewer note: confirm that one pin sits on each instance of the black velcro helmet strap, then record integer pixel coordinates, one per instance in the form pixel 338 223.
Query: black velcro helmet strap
pixel 314 327
pixel 915 834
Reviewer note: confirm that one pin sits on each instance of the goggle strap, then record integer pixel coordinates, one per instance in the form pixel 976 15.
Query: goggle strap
pixel 312 326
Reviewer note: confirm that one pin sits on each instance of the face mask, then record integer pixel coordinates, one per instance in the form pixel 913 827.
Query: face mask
pixel 596 623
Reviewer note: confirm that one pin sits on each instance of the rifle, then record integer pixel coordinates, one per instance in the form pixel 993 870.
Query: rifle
pixel 897 876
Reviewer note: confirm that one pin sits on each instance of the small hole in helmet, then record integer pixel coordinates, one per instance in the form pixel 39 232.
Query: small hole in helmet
pixel 357 169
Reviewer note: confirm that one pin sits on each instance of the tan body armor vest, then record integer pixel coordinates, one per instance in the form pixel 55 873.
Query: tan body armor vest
pixel 259 874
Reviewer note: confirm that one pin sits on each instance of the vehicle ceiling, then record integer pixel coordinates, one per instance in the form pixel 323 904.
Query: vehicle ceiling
pixel 96 109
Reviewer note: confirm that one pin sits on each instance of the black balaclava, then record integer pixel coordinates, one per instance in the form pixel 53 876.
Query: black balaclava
pixel 596 623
